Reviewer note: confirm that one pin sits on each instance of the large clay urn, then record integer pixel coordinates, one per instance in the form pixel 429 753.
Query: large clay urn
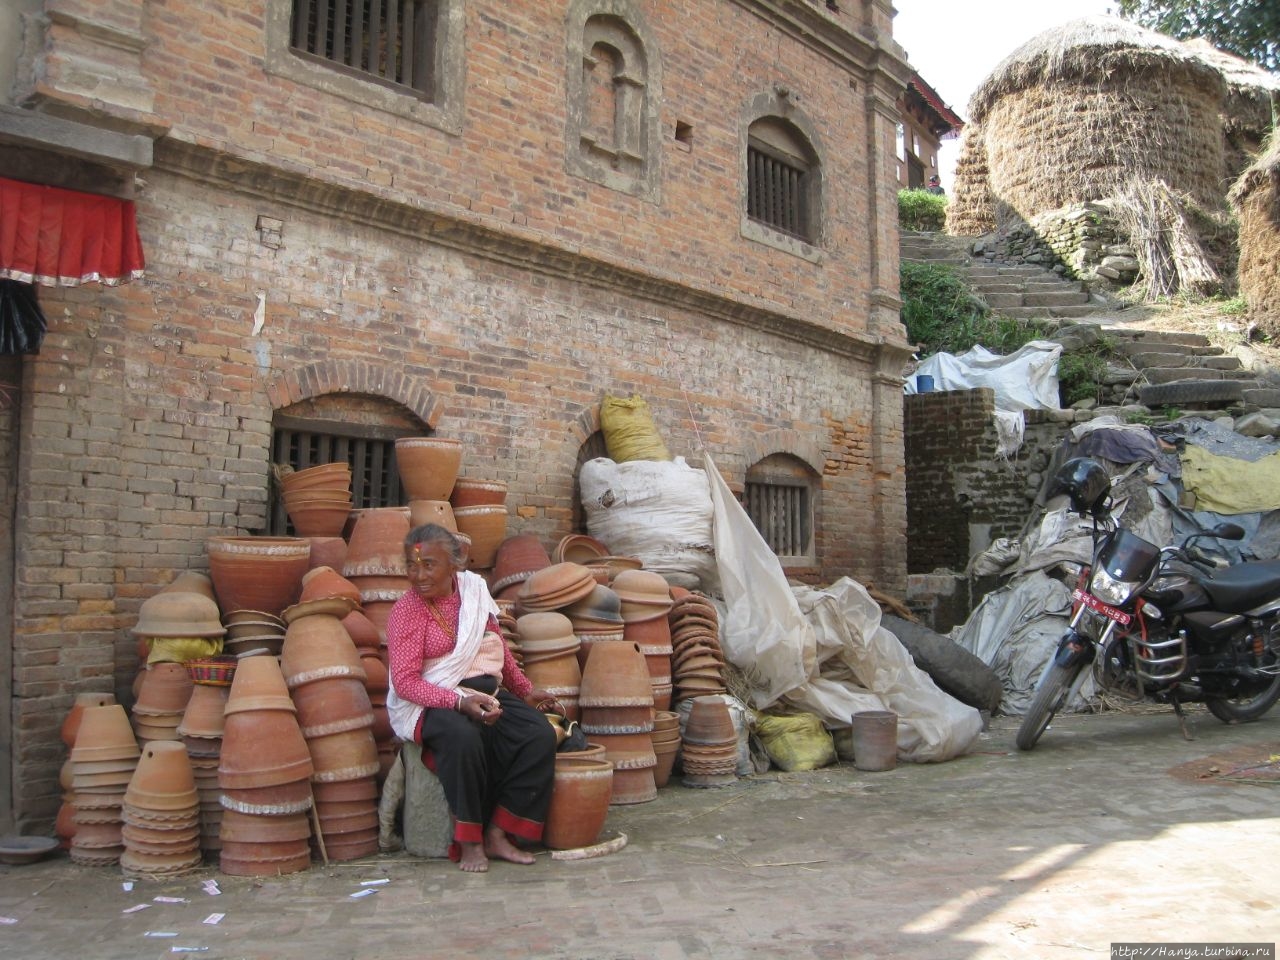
pixel 428 466
pixel 376 546
pixel 317 647
pixel 257 573
pixel 580 796
pixel 486 525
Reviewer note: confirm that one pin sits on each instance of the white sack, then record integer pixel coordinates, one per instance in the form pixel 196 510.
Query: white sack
pixel 656 510
pixel 1024 380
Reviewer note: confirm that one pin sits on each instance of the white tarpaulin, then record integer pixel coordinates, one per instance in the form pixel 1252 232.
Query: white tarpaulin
pixel 1026 379
pixel 823 651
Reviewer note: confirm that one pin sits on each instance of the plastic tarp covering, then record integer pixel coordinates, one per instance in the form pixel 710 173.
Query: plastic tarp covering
pixel 1026 379
pixel 1230 486
pixel 823 651
pixel 656 510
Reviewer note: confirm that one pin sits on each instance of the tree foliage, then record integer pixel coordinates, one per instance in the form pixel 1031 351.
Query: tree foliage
pixel 1247 28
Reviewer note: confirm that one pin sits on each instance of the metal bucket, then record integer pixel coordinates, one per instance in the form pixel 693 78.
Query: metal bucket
pixel 875 740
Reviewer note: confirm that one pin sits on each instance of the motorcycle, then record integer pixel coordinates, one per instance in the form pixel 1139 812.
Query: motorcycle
pixel 1172 625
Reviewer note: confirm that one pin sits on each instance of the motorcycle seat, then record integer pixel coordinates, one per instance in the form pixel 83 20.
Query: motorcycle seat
pixel 1244 586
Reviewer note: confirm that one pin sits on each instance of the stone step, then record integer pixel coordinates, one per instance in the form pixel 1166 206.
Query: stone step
pixel 1185 361
pixel 1264 395
pixel 1045 313
pixel 1061 298
pixel 1199 393
pixel 1170 374
pixel 1031 286
pixel 1132 348
pixel 1159 336
pixel 1016 271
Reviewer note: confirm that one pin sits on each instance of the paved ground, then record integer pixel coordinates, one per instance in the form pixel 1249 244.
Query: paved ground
pixel 1114 829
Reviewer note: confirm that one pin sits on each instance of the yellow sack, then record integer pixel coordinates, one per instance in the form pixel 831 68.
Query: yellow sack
pixel 629 430
pixel 182 649
pixel 798 742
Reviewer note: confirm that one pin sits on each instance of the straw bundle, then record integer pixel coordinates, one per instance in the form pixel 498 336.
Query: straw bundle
pixel 971 208
pixel 1252 99
pixel 1166 243
pixel 1256 198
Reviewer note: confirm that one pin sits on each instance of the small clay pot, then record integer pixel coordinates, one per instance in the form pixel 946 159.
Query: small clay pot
pixel 486 525
pixel 104 734
pixel 318 647
pixel 580 796
pixel 428 466
pixel 71 724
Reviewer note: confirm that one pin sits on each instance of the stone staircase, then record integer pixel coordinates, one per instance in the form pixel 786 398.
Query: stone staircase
pixel 1153 368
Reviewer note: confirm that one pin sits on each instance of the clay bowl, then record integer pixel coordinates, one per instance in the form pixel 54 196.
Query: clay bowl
pixel 439 512
pixel 178 614
pixel 613 565
pixel 281 798
pixel 319 519
pixel 328 552
pixel 257 573
pixel 579 548
pixel 166 688
pixel 332 705
pixel 71 723
pixel 263 748
pixel 486 525
pixel 428 466
pixel 318 647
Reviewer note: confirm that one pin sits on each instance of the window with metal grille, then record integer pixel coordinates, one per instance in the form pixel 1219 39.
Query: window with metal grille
pixel 783 515
pixel 776 192
pixel 368 450
pixel 390 41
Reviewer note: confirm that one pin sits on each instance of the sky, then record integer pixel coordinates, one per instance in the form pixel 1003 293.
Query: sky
pixel 955 44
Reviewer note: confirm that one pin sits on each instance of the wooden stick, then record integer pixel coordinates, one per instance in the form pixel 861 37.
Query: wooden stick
pixel 315 821
pixel 595 850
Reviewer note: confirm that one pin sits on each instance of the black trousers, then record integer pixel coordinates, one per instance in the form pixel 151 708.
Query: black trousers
pixel 499 774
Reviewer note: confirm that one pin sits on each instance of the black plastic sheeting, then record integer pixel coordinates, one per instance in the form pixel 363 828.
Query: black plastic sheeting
pixel 22 323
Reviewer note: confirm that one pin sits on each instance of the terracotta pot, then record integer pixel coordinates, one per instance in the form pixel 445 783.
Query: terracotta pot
pixel 655 632
pixel 178 614
pixel 560 672
pixel 382 731
pixel 344 756
pixel 323 519
pixel 191 581
pixel 258 685
pixel 666 753
pixel 580 796
pixel 248 828
pixel 579 548
pixel 65 826
pixel 377 612
pixel 104 734
pixel 94 835
pixel 428 466
pixel 335 810
pixel 163 779
pixel 486 525
pixel 376 546
pixel 349 823
pixel 319 583
pixel 439 512
pixel 335 473
pixel 235 867
pixel 709 722
pixel 282 798
pixel 616 675
pixel 377 679
pixel 518 556
pixel 332 705
pixel 262 851
pixel 470 492
pixel 71 724
pixel 166 688
pixel 345 791
pixel 257 573
pixel 635 784
pixel 316 648
pixel 361 630
pixel 263 748
pixel 352 846
pixel 328 552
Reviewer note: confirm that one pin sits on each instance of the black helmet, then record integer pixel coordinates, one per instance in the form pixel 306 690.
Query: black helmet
pixel 1086 483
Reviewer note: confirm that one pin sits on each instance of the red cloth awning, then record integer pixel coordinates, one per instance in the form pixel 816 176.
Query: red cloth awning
pixel 64 237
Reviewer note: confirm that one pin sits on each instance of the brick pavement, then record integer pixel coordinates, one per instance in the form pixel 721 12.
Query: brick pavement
pixel 1052 854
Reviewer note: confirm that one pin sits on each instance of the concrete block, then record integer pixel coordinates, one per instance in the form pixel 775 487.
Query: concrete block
pixel 428 824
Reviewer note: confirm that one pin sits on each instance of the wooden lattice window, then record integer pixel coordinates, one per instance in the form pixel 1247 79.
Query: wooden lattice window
pixel 368 450
pixel 776 192
pixel 389 41
pixel 782 514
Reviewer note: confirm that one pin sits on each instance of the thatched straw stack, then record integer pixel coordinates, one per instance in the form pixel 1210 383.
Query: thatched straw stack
pixel 1253 98
pixel 1256 197
pixel 1080 111
pixel 971 209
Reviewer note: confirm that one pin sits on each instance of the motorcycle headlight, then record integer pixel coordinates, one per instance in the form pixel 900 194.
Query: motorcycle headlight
pixel 1108 589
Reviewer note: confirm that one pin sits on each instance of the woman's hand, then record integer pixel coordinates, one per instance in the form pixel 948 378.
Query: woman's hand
pixel 480 707
pixel 543 702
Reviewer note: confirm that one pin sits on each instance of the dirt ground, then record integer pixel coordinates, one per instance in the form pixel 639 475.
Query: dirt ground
pixel 1114 829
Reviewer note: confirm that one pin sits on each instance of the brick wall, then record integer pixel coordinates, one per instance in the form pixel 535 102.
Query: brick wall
pixel 961 495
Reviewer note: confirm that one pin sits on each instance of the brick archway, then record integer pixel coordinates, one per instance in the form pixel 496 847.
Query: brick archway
pixel 789 442
pixel 354 376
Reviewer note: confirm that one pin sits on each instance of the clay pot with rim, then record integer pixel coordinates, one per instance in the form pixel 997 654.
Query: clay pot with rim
pixel 166 688
pixel 320 583
pixel 318 647
pixel 104 734
pixel 71 723
pixel 257 573
pixel 348 755
pixel 580 795
pixel 709 722
pixel 439 512
pixel 616 675
pixel 473 492
pixel 178 613
pixel 292 797
pixel 263 748
pixel 428 466
pixel 203 716
pixel 234 866
pixel 376 545
pixel 332 705
pixel 486 525
pixel 163 779
pixel 328 552
pixel 258 684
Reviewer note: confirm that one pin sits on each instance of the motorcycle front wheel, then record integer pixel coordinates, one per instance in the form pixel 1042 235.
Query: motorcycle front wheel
pixel 1050 697
pixel 1244 709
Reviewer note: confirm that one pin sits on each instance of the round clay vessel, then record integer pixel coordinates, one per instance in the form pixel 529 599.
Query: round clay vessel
pixel 178 613
pixel 579 548
pixel 344 756
pixel 258 685
pixel 263 748
pixel 709 722
pixel 282 798
pixel 320 583
pixel 428 466
pixel 163 779
pixel 376 546
pixel 257 573
pixel 191 581
pixel 251 828
pixel 316 648
pixel 203 716
pixel 345 791
pixel 166 688
pixel 235 867
pixel 486 525
pixel 332 705
pixel 470 492
pixel 104 734
pixel 616 675
pixel 328 552
pixel 580 796
pixel 439 512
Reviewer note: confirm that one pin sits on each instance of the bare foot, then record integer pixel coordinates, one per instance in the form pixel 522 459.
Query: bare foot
pixel 473 858
pixel 497 845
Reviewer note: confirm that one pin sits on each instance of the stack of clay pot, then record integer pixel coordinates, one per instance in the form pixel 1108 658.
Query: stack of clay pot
pixel 265 773
pixel 102 764
pixel 616 701
pixel 253 633
pixel 697 660
pixel 645 602
pixel 579 548
pixel 180 623
pixel 551 588
pixel 326 678
pixel 162 698
pixel 507 624
pixel 549 650
pixel 257 573
pixel 318 499
pixel 161 814
pixel 375 561
pixel 709 752
pixel 65 826
pixel 373 658
pixel 666 744
pixel 518 558
pixel 596 618
pixel 201 730
pixel 607 568
pixel 428 468
pixel 480 512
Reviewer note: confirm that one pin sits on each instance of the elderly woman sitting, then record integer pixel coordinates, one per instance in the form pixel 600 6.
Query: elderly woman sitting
pixel 456 690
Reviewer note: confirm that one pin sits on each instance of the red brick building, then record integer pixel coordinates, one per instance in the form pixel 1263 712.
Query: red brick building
pixel 460 217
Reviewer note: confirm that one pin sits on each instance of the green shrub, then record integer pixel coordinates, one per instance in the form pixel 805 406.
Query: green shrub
pixel 921 210
pixel 942 315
